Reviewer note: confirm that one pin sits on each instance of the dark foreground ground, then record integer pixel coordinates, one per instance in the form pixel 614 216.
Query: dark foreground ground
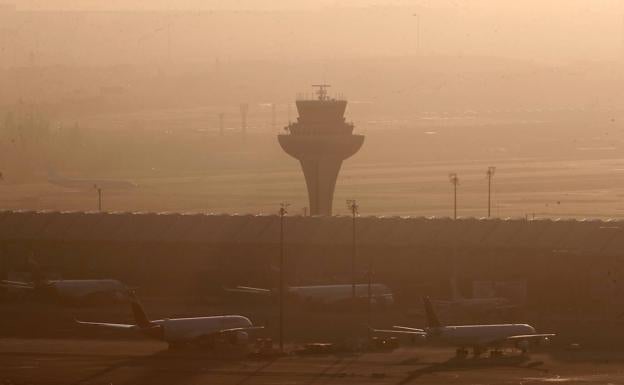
pixel 46 361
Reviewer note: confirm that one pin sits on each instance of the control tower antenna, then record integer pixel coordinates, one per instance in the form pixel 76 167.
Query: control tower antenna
pixel 320 139
pixel 322 91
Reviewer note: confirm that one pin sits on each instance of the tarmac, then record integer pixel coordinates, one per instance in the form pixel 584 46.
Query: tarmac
pixel 72 361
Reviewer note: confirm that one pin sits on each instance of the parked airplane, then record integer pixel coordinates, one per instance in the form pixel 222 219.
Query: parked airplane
pixel 328 295
pixel 209 332
pixel 70 291
pixel 83 184
pixel 477 337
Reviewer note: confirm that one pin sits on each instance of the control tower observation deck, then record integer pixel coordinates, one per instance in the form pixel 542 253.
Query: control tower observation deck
pixel 320 139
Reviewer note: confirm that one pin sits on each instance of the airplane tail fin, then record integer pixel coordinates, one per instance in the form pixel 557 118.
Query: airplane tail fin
pixel 432 318
pixel 140 317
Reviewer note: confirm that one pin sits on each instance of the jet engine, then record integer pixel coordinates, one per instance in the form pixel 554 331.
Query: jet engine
pixel 239 338
pixel 523 345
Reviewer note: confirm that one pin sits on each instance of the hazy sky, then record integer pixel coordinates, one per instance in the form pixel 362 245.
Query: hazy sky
pixel 547 30
pixel 536 7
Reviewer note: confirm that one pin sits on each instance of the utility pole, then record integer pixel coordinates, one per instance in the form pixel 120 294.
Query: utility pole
pixel 169 62
pixel 353 206
pixel 369 308
pixel 282 212
pixel 490 173
pixel 99 192
pixel 454 181
pixel 417 32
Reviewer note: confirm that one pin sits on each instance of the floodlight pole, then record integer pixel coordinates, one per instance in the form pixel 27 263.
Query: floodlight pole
pixel 369 308
pixel 352 205
pixel 454 181
pixel 417 32
pixel 99 191
pixel 490 173
pixel 282 213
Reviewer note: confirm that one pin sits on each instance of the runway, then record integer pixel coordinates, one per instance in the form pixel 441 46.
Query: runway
pixel 76 362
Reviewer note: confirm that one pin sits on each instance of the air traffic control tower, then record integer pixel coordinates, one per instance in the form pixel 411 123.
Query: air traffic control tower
pixel 320 139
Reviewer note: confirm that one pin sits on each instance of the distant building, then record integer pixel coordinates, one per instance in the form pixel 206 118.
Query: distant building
pixel 321 139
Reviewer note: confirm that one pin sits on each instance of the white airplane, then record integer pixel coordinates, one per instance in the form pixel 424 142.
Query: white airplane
pixel 328 295
pixel 70 291
pixel 203 331
pixel 83 184
pixel 477 337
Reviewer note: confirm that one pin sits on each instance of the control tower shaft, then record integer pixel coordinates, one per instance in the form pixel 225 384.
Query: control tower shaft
pixel 320 139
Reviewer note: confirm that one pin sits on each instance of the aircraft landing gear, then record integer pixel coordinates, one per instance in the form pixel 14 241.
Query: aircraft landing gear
pixel 461 353
pixel 476 352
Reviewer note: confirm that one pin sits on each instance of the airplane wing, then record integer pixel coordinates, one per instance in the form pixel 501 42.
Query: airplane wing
pixel 365 296
pixel 529 336
pixel 519 337
pixel 247 289
pixel 16 285
pixel 409 329
pixel 396 331
pixel 107 325
pixel 243 329
pixel 442 302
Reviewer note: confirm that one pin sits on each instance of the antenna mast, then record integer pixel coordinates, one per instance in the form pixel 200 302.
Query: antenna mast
pixel 322 91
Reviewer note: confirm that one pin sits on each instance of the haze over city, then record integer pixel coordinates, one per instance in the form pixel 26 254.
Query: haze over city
pixel 114 83
pixel 311 192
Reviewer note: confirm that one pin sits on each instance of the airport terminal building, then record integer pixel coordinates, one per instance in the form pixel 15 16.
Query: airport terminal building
pixel 566 265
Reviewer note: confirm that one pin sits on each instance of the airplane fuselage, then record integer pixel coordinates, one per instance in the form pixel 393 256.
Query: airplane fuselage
pixel 178 330
pixel 76 290
pixel 328 294
pixel 474 302
pixel 478 335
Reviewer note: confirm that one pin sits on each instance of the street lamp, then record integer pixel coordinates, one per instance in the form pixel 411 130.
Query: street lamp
pixel 353 206
pixel 369 307
pixel 99 192
pixel 490 174
pixel 454 179
pixel 417 16
pixel 282 213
